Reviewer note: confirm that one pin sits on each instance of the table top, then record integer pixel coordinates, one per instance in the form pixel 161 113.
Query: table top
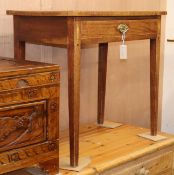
pixel 86 13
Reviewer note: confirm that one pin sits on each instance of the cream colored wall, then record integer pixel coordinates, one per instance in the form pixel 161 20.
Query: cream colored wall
pixel 168 90
pixel 127 98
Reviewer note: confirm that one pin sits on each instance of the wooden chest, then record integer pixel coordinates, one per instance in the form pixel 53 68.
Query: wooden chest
pixel 29 106
pixel 121 151
pixel 118 151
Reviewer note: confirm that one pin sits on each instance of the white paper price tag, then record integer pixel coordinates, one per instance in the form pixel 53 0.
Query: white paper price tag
pixel 123 51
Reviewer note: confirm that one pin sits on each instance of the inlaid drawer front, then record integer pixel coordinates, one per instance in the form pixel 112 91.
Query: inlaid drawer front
pixel 29 81
pixel 155 166
pixel 20 95
pixel 26 154
pixel 107 30
pixel 22 125
pixel 28 94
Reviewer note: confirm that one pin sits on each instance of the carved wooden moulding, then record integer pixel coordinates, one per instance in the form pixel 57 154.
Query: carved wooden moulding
pixel 23 154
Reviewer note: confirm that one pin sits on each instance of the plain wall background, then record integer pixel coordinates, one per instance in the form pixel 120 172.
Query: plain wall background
pixel 168 90
pixel 127 98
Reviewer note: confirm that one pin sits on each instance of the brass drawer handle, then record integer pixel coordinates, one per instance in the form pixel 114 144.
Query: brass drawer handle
pixel 123 28
pixel 22 83
pixel 143 171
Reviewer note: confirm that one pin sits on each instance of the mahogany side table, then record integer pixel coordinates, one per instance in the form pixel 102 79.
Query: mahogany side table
pixel 76 28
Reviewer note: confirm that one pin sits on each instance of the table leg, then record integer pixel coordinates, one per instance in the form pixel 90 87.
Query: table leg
pixel 19 46
pixel 19 50
pixel 154 83
pixel 74 47
pixel 102 70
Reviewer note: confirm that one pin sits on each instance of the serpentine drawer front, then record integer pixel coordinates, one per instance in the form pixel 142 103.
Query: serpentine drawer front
pixel 22 125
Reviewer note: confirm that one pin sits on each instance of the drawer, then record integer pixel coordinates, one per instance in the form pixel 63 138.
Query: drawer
pixel 159 165
pixel 106 30
pixel 28 94
pixel 29 81
pixel 22 125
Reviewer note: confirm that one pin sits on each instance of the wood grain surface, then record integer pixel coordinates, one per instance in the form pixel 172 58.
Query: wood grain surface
pixel 86 13
pixel 120 151
pixel 109 148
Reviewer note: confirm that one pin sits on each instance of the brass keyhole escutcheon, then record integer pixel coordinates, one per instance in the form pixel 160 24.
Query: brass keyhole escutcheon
pixel 22 83
pixel 123 28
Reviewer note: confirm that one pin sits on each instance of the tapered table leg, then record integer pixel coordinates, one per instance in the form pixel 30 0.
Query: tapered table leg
pixel 19 50
pixel 154 83
pixel 102 70
pixel 74 47
pixel 19 46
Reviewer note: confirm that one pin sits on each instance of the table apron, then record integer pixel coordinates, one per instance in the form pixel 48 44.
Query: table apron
pixel 54 30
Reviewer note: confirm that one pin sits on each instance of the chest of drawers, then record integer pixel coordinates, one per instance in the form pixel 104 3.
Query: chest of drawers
pixel 29 105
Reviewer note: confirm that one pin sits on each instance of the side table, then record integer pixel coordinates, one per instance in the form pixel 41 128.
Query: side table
pixel 76 28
